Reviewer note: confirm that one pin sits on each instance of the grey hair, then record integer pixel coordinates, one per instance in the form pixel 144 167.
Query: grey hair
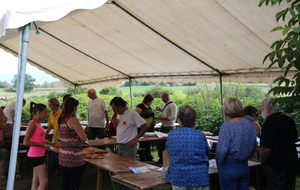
pixel 273 107
pixel 187 115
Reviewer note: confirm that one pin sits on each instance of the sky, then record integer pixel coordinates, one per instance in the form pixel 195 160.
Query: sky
pixel 9 67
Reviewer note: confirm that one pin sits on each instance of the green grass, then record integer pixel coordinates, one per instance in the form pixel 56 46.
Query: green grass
pixel 35 92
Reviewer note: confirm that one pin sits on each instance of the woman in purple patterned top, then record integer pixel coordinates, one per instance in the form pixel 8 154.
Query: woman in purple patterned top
pixel 236 144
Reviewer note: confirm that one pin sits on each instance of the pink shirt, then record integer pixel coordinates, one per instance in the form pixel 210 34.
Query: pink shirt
pixel 38 137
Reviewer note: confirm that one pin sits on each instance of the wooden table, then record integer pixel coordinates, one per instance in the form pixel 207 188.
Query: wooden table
pixel 116 164
pixel 111 162
pixel 113 141
pixel 140 181
pixel 153 178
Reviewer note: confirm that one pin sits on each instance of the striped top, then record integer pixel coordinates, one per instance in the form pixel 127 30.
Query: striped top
pixel 70 153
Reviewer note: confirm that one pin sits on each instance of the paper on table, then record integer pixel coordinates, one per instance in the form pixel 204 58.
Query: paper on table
pixel 150 134
pixel 136 170
pixel 160 134
pixel 210 143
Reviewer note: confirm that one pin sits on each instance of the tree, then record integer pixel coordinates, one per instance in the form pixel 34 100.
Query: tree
pixel 28 84
pixel 5 84
pixel 157 90
pixel 286 53
pixel 110 90
pixel 77 90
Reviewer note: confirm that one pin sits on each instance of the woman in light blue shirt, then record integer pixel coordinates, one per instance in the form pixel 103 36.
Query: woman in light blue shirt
pixel 236 144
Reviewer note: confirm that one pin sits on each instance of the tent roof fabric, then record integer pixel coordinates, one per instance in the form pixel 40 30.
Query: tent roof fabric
pixel 182 41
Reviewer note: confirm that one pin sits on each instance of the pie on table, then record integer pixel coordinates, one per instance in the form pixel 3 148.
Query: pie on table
pixel 95 154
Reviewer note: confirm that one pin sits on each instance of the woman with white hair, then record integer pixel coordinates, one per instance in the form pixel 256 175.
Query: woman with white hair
pixel 236 144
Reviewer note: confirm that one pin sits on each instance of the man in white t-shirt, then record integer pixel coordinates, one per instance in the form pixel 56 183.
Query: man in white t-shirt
pixel 168 118
pixel 97 116
pixel 126 123
pixel 10 111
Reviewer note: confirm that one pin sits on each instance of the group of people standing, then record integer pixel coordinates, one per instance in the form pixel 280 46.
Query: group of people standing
pixel 129 125
pixel 98 121
pixel 67 130
pixel 237 142
pixel 187 147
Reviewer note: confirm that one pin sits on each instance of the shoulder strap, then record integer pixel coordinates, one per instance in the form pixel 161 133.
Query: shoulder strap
pixel 166 105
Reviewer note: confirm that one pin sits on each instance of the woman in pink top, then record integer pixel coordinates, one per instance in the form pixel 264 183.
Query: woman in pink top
pixel 35 139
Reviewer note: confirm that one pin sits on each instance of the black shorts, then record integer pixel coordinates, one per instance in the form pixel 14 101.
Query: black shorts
pixel 36 161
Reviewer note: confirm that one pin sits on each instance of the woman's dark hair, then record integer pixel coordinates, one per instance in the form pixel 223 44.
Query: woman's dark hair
pixel 250 110
pixel 34 107
pixel 118 101
pixel 66 96
pixel 69 106
pixel 187 115
pixel 148 98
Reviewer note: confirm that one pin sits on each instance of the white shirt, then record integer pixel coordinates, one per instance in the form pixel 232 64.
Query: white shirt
pixel 169 111
pixel 9 112
pixel 128 124
pixel 96 112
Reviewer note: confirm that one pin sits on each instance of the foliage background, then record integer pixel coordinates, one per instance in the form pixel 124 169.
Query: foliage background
pixel 205 98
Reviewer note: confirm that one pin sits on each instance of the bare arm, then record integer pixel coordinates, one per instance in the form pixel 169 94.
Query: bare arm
pixel 107 118
pixel 30 130
pixel 264 154
pixel 138 110
pixel 173 109
pixel 48 130
pixel 73 123
pixel 162 118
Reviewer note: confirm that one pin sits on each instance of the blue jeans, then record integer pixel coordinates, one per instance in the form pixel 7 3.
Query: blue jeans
pixel 128 152
pixel 234 175
pixel 207 187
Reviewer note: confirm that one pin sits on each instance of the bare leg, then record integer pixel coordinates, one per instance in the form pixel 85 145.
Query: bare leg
pixel 35 180
pixel 41 175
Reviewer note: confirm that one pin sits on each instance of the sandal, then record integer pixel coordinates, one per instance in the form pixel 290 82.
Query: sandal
pixel 18 176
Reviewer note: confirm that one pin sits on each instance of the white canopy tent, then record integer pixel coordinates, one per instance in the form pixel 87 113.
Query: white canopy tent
pixel 194 41
pixel 174 40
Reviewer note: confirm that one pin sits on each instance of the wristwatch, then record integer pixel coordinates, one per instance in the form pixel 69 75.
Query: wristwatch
pixel 138 136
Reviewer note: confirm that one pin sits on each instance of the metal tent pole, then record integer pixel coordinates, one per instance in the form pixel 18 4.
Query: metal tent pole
pixel 23 49
pixel 221 93
pixel 130 92
pixel 75 91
